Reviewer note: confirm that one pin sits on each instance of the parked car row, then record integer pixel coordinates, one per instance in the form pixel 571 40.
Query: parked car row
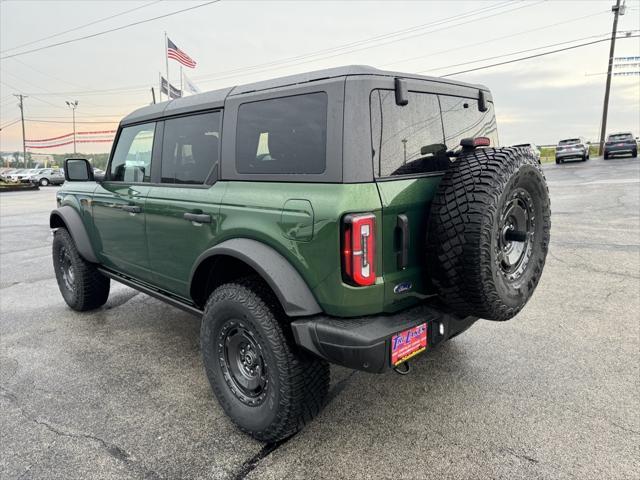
pixel 41 176
pixel 578 149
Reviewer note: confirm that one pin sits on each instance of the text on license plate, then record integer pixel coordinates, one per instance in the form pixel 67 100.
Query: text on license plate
pixel 408 343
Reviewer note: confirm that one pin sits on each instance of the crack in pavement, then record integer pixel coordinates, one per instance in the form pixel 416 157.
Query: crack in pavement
pixel 112 449
pixel 251 463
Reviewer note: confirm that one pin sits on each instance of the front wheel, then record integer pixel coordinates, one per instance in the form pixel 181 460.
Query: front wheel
pixel 267 387
pixel 82 286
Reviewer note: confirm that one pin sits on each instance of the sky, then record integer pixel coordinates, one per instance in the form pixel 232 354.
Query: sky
pixel 540 100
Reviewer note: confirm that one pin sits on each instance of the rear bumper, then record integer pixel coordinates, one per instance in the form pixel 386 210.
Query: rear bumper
pixel 364 343
pixel 620 150
pixel 570 154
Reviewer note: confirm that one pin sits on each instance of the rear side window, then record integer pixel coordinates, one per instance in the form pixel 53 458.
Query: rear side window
pixel 406 139
pixel 462 119
pixel 283 135
pixel 131 160
pixel 190 148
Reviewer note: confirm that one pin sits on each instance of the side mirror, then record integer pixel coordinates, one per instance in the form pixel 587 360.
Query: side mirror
pixel 402 92
pixel 78 170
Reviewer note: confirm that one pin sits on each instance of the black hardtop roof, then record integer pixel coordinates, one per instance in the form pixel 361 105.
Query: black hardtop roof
pixel 216 98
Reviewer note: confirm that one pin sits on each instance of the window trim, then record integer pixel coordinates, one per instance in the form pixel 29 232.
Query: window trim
pixel 334 89
pixel 107 172
pixel 213 175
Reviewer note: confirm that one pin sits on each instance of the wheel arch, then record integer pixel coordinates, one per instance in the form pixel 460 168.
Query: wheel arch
pixel 67 217
pixel 239 257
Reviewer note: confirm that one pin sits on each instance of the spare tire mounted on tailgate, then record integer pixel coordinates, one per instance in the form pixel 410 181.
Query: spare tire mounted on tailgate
pixel 489 232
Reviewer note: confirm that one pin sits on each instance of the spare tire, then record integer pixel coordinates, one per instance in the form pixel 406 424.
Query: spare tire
pixel 489 229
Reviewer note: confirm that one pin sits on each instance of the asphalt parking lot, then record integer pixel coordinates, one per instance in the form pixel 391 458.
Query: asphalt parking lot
pixel 554 393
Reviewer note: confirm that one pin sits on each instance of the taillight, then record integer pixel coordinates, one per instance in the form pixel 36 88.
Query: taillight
pixel 358 249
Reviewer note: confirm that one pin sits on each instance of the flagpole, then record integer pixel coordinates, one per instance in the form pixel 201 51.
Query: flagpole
pixel 181 90
pixel 160 85
pixel 166 58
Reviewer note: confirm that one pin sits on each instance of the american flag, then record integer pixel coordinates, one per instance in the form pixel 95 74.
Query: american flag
pixel 174 52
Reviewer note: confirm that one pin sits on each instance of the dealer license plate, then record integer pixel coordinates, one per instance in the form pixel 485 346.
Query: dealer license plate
pixel 408 343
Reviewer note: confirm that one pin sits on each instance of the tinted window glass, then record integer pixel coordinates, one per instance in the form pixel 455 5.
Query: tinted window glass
pixel 569 141
pixel 132 159
pixel 190 148
pixel 283 135
pixel 409 139
pixel 462 119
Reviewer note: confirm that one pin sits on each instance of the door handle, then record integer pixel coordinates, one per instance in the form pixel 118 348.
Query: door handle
pixel 132 208
pixel 197 217
pixel 402 255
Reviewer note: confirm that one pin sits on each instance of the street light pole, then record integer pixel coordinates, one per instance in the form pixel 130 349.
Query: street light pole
pixel 24 142
pixel 73 105
pixel 617 10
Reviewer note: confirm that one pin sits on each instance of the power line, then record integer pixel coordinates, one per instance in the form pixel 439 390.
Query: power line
pixel 355 43
pixel 139 88
pixel 534 56
pixel 104 32
pixel 80 27
pixel 2 127
pixel 475 44
pixel 33 120
pixel 287 62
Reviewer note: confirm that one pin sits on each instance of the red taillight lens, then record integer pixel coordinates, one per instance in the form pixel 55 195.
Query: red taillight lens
pixel 481 142
pixel 358 249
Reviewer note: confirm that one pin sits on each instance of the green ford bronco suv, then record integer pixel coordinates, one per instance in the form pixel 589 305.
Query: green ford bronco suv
pixel 349 216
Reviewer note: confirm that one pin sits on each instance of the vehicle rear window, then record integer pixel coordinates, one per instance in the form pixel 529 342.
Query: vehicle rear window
pixel 283 135
pixel 402 134
pixel 131 160
pixel 414 138
pixel 569 141
pixel 620 137
pixel 462 119
pixel 190 148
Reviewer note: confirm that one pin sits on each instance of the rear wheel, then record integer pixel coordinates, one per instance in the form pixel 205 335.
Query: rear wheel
pixel 634 154
pixel 82 286
pixel 263 383
pixel 44 182
pixel 489 232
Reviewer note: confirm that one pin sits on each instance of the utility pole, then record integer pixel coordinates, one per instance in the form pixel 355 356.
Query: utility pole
pixel 24 142
pixel 73 105
pixel 617 10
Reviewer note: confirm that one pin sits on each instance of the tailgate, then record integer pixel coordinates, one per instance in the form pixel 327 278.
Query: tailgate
pixel 405 206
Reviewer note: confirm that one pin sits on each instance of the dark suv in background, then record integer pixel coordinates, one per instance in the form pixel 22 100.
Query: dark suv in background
pixel 620 144
pixel 572 149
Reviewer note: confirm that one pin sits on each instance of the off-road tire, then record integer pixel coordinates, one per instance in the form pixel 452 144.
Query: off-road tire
pixel 467 219
pixel 89 288
pixel 297 383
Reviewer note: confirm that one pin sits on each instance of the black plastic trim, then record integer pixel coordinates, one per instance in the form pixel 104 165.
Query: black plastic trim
pixel 364 343
pixel 159 294
pixel 75 226
pixel 292 291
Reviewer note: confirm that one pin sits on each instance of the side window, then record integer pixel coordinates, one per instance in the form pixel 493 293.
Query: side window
pixel 132 158
pixel 406 139
pixel 283 135
pixel 190 148
pixel 462 119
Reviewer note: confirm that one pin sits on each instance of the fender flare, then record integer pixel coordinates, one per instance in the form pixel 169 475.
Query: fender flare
pixel 292 291
pixel 69 218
